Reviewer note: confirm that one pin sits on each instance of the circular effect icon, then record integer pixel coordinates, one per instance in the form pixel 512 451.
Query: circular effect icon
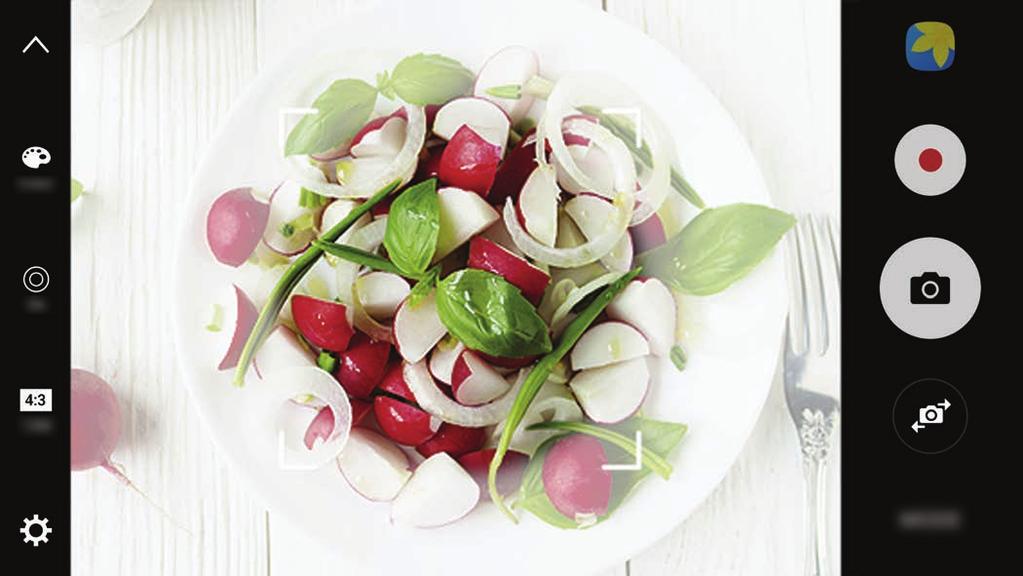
pixel 930 160
pixel 930 288
pixel 36 279
pixel 35 156
pixel 930 416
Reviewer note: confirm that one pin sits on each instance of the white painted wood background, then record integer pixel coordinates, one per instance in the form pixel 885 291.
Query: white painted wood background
pixel 143 111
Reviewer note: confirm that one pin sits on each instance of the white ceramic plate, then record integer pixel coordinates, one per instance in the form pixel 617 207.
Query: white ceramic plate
pixel 732 338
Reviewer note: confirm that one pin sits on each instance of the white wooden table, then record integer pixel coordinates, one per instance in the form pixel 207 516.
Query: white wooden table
pixel 145 108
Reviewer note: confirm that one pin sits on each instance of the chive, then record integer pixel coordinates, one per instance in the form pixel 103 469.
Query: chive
pixel 358 256
pixel 216 323
pixel 507 91
pixel 678 357
pixel 327 361
pixel 538 375
pixel 287 230
pixel 651 459
pixel 292 276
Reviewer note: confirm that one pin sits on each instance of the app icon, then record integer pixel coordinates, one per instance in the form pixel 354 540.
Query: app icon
pixel 930 160
pixel 930 46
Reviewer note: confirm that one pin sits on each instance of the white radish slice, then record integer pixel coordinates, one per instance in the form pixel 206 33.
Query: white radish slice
pixel 561 315
pixel 647 305
pixel 553 402
pixel 482 116
pixel 513 65
pixel 335 212
pixel 607 343
pixel 593 162
pixel 385 141
pixel 538 203
pixel 373 465
pixel 614 392
pixel 321 281
pixel 290 227
pixel 381 293
pixel 439 492
pixel 282 350
pixel 474 382
pixel 433 400
pixel 417 328
pixel 592 214
pixel 463 214
pixel 443 358
pixel 244 318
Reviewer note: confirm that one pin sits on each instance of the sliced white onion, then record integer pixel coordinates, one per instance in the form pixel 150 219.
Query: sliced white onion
pixel 554 401
pixel 560 315
pixel 368 238
pixel 594 249
pixel 437 403
pixel 363 321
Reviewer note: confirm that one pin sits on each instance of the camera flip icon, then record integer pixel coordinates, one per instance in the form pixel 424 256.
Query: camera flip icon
pixel 931 414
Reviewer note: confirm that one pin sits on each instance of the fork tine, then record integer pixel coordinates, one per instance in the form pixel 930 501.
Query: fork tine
pixel 831 241
pixel 830 276
pixel 819 315
pixel 799 336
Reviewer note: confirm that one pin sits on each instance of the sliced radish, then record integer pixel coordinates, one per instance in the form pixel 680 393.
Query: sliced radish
pixel 594 215
pixel 321 427
pixel 498 234
pixel 538 205
pixel 244 319
pixel 513 66
pixel 483 116
pixel 434 401
pixel 362 366
pixel 512 174
pixel 373 465
pixel 463 214
pixel 648 234
pixel 593 162
pixel 381 293
pixel 469 162
pixel 235 225
pixel 417 328
pixel 500 361
pixel 443 357
pixel 322 323
pixel 509 476
pixel 290 227
pixel 336 211
pixel 614 392
pixel 385 141
pixel 404 423
pixel 438 493
pixel 574 478
pixel 487 255
pixel 608 343
pixel 647 305
pixel 474 382
pixel 282 349
pixel 429 164
pixel 360 409
pixel 453 440
pixel 394 383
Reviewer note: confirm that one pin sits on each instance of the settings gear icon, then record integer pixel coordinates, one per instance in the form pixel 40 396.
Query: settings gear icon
pixel 44 530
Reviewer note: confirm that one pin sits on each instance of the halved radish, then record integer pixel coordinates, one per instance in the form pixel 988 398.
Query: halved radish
pixel 509 476
pixel 438 493
pixel 282 349
pixel 394 383
pixel 454 440
pixel 538 205
pixel 463 214
pixel 417 328
pixel 404 423
pixel 593 162
pixel 512 174
pixel 235 225
pixel 608 343
pixel 385 141
pixel 648 234
pixel 483 116
pixel 487 255
pixel 498 234
pixel 469 162
pixel 429 163
pixel 336 211
pixel 647 305
pixel 614 392
pixel 513 363
pixel 443 357
pixel 381 293
pixel 320 428
pixel 244 319
pixel 593 215
pixel 322 323
pixel 290 226
pixel 513 66
pixel 377 123
pixel 373 466
pixel 362 366
pixel 473 382
pixel 574 478
pixel 360 409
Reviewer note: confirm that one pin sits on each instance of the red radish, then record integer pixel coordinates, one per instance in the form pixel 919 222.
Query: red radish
pixel 429 167
pixel 235 225
pixel 473 382
pixel 373 466
pixel 509 476
pixel 614 392
pixel 453 439
pixel 360 409
pixel 320 428
pixel 592 214
pixel 394 383
pixel 380 293
pixel 443 357
pixel 95 422
pixel 362 367
pixel 538 205
pixel 648 234
pixel 469 162
pixel 513 363
pixel 404 423
pixel 431 114
pixel 513 65
pixel 647 305
pixel 376 124
pixel 322 323
pixel 463 215
pixel 486 255
pixel 608 343
pixel 290 227
pixel 438 493
pixel 498 234
pixel 417 328
pixel 574 479
pixel 385 141
pixel 245 319
pixel 282 349
pixel 383 208
pixel 484 117
pixel 514 171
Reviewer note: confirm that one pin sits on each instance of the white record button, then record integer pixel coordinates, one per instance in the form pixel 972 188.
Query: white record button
pixel 930 160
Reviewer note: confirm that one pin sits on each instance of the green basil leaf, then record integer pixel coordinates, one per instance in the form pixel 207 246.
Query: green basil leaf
pixel 424 286
pixel 77 189
pixel 342 109
pixel 720 246
pixel 531 495
pixel 488 314
pixel 413 224
pixel 427 79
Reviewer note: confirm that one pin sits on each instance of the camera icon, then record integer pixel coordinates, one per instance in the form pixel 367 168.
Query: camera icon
pixel 930 288
pixel 932 414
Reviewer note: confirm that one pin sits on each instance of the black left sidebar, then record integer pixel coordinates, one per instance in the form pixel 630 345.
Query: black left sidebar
pixel 36 341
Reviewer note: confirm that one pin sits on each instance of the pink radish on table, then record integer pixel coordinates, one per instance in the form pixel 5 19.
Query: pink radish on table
pixel 362 366
pixel 282 349
pixel 373 465
pixel 244 319
pixel 484 117
pixel 514 171
pixel 454 440
pixel 593 214
pixel 509 476
pixel 322 323
pixel 511 66
pixel 574 480
pixel 95 422
pixel 469 162
pixel 439 492
pixel 473 382
pixel 443 357
pixel 647 305
pixel 486 255
pixel 608 343
pixel 463 214
pixel 291 226
pixel 417 328
pixel 404 423
pixel 235 225
pixel 613 392
pixel 538 205
pixel 648 234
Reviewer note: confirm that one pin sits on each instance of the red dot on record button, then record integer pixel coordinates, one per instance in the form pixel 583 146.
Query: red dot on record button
pixel 930 160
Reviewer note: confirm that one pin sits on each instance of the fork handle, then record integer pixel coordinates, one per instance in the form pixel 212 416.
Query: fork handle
pixel 817 515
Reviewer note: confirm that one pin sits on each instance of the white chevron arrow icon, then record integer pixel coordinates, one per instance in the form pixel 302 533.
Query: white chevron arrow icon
pixel 35 40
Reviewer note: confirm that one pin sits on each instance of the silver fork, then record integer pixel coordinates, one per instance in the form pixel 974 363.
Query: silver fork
pixel 812 367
